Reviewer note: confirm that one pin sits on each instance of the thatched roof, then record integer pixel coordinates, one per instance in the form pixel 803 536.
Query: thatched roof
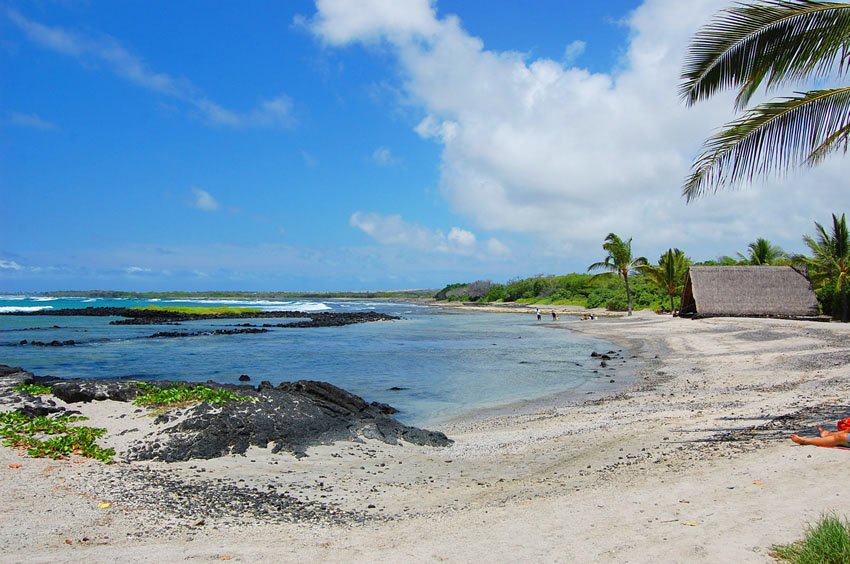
pixel 748 291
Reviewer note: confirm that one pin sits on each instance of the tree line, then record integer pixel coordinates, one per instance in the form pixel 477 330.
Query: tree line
pixel 624 281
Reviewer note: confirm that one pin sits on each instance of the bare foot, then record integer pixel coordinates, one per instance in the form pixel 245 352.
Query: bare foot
pixel 823 432
pixel 798 440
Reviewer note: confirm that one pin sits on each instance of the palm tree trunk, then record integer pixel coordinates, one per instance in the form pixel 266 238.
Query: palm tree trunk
pixel 672 305
pixel 844 300
pixel 628 291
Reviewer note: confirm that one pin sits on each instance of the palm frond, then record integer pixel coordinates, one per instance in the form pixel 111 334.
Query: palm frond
pixel 838 140
pixel 771 137
pixel 772 42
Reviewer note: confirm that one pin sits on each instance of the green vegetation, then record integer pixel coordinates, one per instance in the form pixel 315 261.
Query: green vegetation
pixel 200 310
pixel 571 289
pixel 52 437
pixel 827 542
pixel 669 275
pixel 775 44
pixel 34 389
pixel 829 266
pixel 658 287
pixel 618 262
pixel 180 394
pixel 763 252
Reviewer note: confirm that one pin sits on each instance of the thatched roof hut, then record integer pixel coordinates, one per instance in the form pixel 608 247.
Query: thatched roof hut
pixel 748 291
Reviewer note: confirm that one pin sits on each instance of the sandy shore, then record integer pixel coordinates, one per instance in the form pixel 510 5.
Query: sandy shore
pixel 691 464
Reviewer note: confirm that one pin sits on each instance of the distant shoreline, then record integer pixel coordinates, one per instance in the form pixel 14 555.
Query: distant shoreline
pixel 113 294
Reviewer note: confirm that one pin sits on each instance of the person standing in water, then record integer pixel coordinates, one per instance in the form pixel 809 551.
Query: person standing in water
pixel 537 311
pixel 554 315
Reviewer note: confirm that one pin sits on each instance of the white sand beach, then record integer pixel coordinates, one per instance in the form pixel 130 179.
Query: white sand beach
pixel 690 464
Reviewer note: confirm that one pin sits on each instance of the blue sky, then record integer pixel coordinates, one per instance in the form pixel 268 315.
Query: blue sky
pixel 353 145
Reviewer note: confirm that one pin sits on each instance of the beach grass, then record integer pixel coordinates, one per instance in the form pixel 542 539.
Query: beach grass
pixel 200 309
pixel 826 542
pixel 52 437
pixel 181 395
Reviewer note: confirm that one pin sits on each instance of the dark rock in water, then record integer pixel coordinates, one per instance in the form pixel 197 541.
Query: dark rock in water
pixel 290 417
pixel 397 389
pixel 160 317
pixel 244 378
pixel 594 354
pixel 68 343
pixel 171 334
pixel 603 364
pixel 605 357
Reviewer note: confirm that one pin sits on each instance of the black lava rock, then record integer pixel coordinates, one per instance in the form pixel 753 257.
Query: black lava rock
pixel 290 417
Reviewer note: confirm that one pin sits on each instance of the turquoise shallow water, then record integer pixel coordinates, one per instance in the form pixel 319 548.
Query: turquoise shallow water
pixel 448 363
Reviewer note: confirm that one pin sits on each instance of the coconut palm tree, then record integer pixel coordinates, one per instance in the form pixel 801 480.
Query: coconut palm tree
pixel 669 275
pixel 772 43
pixel 763 252
pixel 619 262
pixel 831 260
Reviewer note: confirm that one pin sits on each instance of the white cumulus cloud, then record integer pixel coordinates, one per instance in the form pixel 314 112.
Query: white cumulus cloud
pixel 392 230
pixel 536 146
pixel 10 265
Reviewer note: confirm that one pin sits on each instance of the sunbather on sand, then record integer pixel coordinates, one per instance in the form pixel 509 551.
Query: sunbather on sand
pixel 827 438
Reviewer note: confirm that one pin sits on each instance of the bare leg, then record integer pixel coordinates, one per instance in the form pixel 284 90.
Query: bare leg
pixel 829 440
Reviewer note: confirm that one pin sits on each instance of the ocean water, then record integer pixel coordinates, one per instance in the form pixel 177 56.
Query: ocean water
pixel 448 363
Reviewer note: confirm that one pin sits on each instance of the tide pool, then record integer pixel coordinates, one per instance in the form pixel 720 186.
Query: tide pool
pixel 446 363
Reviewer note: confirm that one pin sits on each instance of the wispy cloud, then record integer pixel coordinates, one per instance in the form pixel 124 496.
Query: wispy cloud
pixel 136 270
pixel 384 157
pixel 573 51
pixel 205 201
pixel 10 265
pixel 309 159
pixel 275 112
pixel 33 121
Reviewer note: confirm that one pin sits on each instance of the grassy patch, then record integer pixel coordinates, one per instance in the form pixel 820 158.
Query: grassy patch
pixel 52 437
pixel 34 389
pixel 179 395
pixel 826 542
pixel 200 310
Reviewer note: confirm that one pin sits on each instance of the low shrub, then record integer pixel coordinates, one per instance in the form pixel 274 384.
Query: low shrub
pixel 52 437
pixel 34 389
pixel 177 395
